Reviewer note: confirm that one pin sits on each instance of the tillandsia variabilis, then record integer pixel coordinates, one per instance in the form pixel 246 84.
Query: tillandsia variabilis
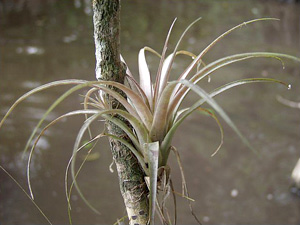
pixel 152 110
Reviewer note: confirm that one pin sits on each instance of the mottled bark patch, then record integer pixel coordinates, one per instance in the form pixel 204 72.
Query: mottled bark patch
pixel 109 67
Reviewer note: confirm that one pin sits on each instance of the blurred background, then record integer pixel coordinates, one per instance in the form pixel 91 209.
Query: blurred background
pixel 46 40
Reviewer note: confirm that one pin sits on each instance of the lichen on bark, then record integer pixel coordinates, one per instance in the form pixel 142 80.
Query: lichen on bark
pixel 109 67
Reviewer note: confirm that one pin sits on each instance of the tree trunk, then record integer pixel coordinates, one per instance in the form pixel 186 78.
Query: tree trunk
pixel 109 67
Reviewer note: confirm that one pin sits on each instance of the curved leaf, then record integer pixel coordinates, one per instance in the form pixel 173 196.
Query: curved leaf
pixel 126 129
pixel 246 81
pixel 170 61
pixel 68 195
pixel 77 112
pixel 197 59
pixel 141 132
pixel 186 112
pixel 127 68
pixel 236 58
pixel 134 151
pixel 162 114
pixel 216 107
pixel 135 85
pixel 100 85
pixel 219 125
pixel 160 117
pixel 99 104
pixel 87 97
pixel 163 55
pixel 166 67
pixel 144 73
pixel 152 150
pixel 28 196
pixel 178 98
pixel 74 153
pixel 139 128
pixel 219 90
pixel 141 108
pixel 38 89
pixel 164 77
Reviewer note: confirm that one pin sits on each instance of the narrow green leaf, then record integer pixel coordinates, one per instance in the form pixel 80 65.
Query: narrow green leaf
pixel 38 89
pixel 221 112
pixel 141 108
pixel 236 58
pixel 166 67
pixel 145 77
pixel 160 118
pixel 135 123
pixel 77 112
pixel 137 154
pixel 198 58
pixel 68 195
pixel 183 114
pixel 74 153
pixel 136 87
pixel 126 129
pixel 127 68
pixel 87 98
pixel 164 73
pixel 99 84
pixel 116 95
pixel 139 128
pixel 169 64
pixel 152 157
pixel 27 195
pixel 100 104
pixel 246 81
pixel 163 55
pixel 219 125
pixel 207 70
pixel 50 109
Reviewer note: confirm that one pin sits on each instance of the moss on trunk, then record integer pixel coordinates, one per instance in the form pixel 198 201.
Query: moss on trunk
pixel 109 67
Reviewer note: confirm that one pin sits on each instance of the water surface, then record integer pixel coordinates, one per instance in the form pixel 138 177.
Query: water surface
pixel 43 41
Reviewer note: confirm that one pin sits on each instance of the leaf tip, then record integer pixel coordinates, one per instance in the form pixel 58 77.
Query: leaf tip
pixel 31 195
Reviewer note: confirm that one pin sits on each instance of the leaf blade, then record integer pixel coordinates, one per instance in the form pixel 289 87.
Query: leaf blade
pixel 38 89
pixel 152 157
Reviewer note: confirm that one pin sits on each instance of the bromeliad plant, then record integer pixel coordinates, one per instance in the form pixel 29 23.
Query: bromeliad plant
pixel 152 109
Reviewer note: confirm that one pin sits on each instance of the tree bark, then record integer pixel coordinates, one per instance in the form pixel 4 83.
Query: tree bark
pixel 109 67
